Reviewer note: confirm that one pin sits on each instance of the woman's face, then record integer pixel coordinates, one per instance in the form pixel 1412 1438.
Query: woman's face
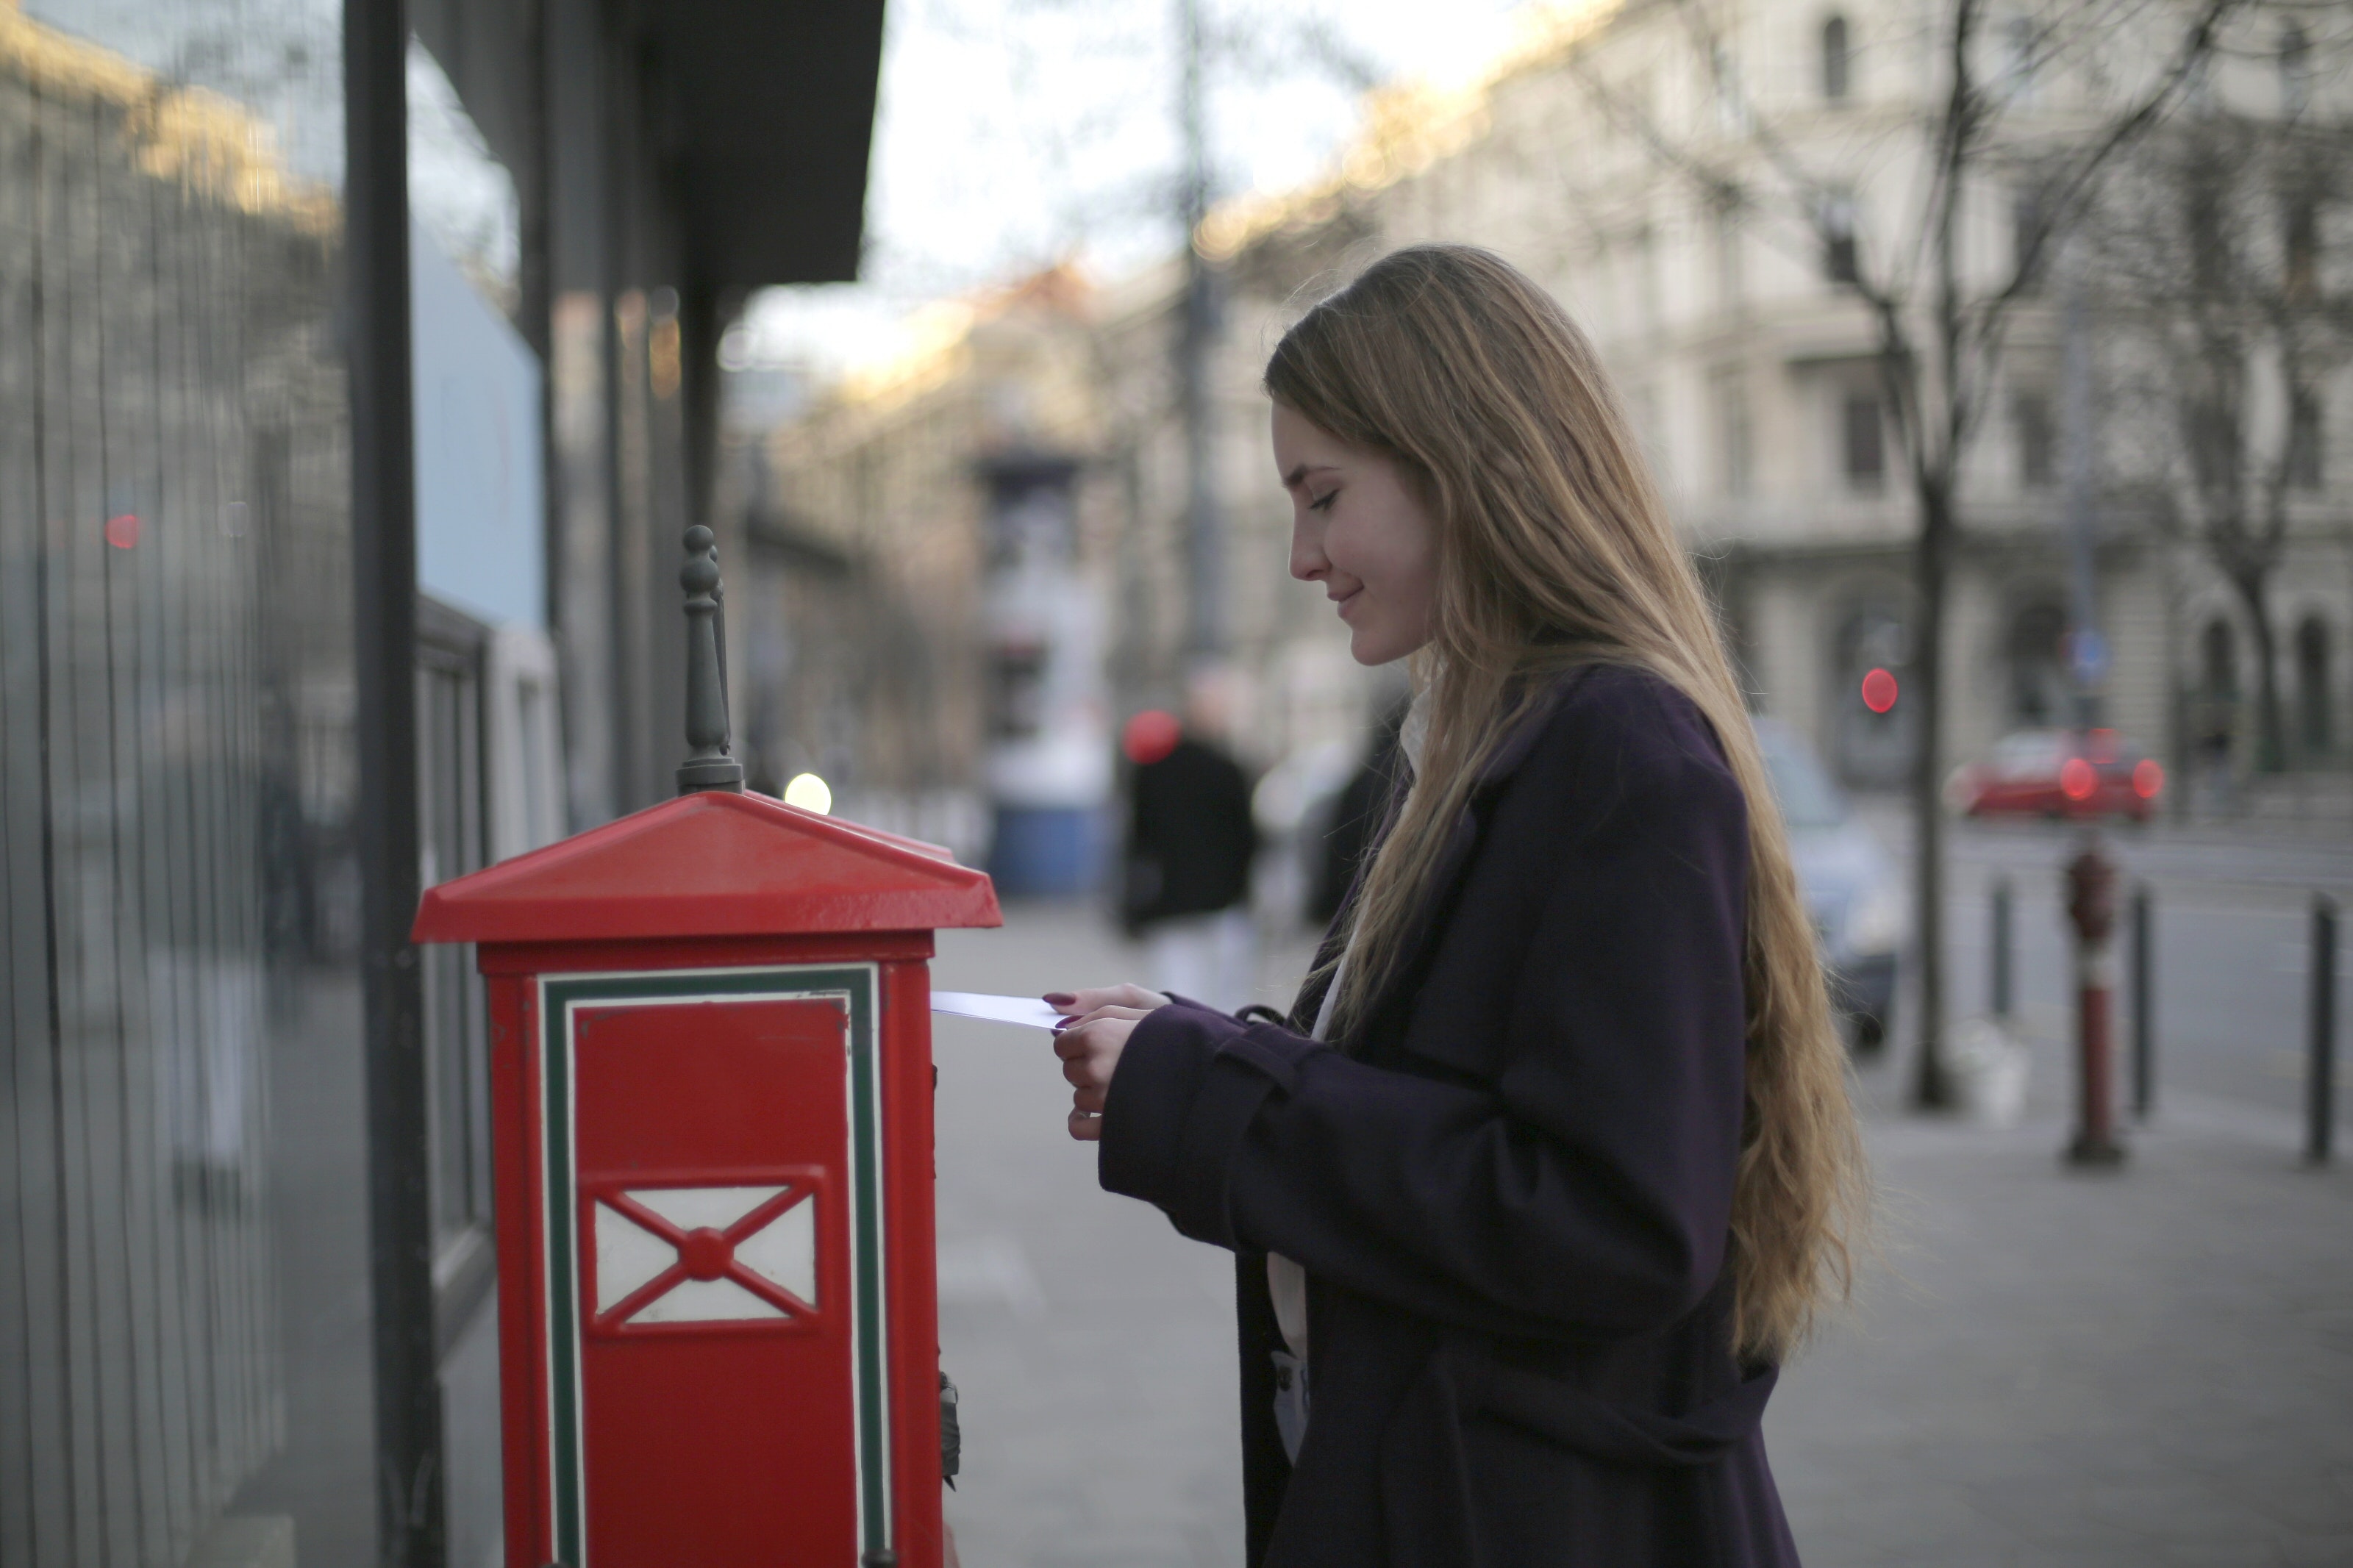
pixel 1358 529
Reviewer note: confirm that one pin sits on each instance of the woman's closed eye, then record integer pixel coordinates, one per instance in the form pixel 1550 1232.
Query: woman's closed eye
pixel 1324 502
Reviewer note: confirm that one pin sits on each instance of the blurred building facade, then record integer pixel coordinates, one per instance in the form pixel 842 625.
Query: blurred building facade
pixel 871 609
pixel 1750 371
pixel 337 556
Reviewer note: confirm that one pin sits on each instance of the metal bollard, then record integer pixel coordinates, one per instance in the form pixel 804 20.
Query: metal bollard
pixel 2320 1069
pixel 2003 994
pixel 2143 1006
pixel 2092 905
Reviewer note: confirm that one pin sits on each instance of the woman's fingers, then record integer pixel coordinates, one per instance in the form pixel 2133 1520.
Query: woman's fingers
pixel 1081 1020
pixel 1089 1047
pixel 1090 1052
pixel 1125 995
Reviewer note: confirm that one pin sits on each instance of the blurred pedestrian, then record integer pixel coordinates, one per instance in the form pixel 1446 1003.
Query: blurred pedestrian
pixel 1191 844
pixel 1552 1162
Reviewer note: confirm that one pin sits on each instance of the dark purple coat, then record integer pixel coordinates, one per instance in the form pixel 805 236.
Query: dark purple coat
pixel 1512 1193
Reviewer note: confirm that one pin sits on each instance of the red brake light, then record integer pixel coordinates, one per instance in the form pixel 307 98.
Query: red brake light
pixel 2078 779
pixel 2147 778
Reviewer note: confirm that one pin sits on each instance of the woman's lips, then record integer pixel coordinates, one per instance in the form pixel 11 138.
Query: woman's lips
pixel 1344 601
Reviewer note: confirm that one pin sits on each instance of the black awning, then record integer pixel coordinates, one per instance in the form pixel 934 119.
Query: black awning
pixel 777 103
pixel 765 113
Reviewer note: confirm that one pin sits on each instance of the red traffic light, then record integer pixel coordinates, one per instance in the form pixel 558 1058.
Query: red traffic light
pixel 1879 692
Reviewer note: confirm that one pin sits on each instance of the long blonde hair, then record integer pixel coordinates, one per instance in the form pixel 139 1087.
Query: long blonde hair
pixel 1555 550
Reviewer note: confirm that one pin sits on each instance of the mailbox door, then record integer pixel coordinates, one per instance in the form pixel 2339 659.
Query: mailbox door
pixel 718 1370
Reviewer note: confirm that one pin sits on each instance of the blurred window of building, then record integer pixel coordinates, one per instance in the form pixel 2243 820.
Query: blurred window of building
pixel 1837 227
pixel 2038 682
pixel 1731 261
pixel 2300 240
pixel 2315 696
pixel 2295 71
pixel 2218 661
pixel 1648 281
pixel 2028 215
pixel 1735 433
pixel 2306 455
pixel 2213 437
pixel 1862 441
pixel 1838 60
pixel 2038 441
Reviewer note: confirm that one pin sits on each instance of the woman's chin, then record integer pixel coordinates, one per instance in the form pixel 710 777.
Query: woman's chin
pixel 1371 649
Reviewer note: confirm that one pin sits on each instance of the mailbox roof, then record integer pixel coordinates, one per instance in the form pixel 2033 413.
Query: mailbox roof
pixel 711 864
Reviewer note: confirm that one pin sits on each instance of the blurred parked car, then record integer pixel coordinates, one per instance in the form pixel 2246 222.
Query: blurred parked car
pixel 2059 774
pixel 1850 886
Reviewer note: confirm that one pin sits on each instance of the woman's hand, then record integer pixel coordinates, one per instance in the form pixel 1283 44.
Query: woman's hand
pixel 1090 1044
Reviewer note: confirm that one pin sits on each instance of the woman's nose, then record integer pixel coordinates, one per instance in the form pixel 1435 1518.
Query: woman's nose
pixel 1308 561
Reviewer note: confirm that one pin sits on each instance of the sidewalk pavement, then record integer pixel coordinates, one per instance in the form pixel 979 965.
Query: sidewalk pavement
pixel 2146 1366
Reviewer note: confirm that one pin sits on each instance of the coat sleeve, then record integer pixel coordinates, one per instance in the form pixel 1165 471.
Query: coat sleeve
pixel 1586 1192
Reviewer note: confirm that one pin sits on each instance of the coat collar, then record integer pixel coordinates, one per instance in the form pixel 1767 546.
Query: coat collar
pixel 1453 859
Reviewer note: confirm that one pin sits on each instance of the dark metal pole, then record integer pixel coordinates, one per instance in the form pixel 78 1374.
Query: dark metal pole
pixel 2004 995
pixel 2087 656
pixel 2320 1070
pixel 2144 1006
pixel 408 1465
pixel 1205 637
pixel 536 319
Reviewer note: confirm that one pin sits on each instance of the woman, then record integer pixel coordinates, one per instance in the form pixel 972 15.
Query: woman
pixel 1552 1161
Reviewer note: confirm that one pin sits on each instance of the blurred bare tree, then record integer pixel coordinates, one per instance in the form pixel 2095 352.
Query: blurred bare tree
pixel 2232 319
pixel 1988 122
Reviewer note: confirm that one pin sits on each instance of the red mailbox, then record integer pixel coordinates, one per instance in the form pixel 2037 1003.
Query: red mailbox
pixel 711 1083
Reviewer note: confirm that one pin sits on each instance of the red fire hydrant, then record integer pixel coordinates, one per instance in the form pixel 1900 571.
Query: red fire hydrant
pixel 2092 905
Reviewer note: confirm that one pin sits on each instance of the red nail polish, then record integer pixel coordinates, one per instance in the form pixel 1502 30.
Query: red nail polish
pixel 1057 998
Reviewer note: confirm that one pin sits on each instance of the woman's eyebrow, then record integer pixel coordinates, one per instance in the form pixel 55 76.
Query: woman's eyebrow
pixel 1298 476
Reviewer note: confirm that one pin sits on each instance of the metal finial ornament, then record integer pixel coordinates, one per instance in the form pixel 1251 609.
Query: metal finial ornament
pixel 711 764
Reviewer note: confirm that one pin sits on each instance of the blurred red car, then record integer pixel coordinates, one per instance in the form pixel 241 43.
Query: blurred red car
pixel 2059 774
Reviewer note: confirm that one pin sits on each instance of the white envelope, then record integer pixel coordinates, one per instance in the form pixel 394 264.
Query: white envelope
pixel 1026 1011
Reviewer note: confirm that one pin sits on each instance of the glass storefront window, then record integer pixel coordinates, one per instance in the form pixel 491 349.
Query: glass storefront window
pixel 183 1214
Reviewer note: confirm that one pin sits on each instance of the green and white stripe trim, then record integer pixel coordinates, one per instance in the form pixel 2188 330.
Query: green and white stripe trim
pixel 857 986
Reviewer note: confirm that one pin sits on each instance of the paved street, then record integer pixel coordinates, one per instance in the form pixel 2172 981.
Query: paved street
pixel 2233 950
pixel 2150 1366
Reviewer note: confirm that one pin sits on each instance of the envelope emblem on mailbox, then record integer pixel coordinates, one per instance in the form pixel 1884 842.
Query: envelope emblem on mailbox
pixel 705 1255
